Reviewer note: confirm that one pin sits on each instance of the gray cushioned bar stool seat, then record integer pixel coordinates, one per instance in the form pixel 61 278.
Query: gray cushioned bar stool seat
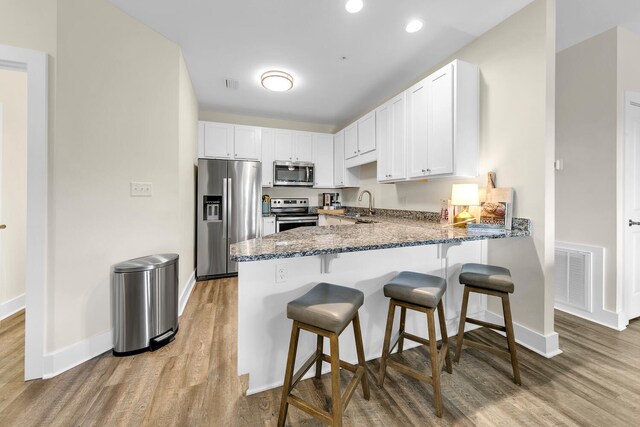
pixel 423 293
pixel 487 277
pixel 416 288
pixel 493 281
pixel 326 306
pixel 325 311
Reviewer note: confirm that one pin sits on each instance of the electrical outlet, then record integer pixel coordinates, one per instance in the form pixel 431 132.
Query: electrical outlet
pixel 141 189
pixel 281 274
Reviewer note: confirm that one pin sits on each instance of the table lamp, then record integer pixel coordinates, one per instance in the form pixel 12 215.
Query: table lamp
pixel 464 195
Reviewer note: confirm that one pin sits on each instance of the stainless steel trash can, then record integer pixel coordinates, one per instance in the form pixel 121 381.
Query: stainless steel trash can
pixel 145 303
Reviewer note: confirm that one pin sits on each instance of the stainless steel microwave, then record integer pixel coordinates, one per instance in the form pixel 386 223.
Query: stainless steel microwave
pixel 299 174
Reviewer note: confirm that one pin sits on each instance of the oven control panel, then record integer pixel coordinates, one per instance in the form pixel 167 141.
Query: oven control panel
pixel 290 203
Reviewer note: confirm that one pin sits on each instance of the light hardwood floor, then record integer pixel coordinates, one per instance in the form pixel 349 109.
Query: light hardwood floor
pixel 192 381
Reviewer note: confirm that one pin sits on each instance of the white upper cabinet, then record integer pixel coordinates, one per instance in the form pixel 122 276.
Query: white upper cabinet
pixel 293 146
pixel 268 156
pixel 391 139
pixel 343 177
pixel 440 122
pixel 323 160
pixel 417 101
pixel 360 141
pixel 351 141
pixel 215 140
pixel 247 143
pixel 302 147
pixel 367 133
pixel 284 145
pixel 227 141
pixel 443 123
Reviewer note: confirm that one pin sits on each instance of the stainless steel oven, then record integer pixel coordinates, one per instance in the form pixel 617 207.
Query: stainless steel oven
pixel 292 213
pixel 294 174
pixel 284 223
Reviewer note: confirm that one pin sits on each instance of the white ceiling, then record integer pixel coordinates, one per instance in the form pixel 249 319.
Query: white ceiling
pixel 240 39
pixel 578 20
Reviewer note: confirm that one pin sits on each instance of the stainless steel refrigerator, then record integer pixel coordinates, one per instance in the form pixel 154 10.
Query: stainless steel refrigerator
pixel 229 210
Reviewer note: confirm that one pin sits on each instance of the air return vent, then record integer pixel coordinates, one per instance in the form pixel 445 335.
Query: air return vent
pixel 573 278
pixel 232 84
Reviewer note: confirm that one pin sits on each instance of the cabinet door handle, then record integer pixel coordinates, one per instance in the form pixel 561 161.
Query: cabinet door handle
pixel 631 222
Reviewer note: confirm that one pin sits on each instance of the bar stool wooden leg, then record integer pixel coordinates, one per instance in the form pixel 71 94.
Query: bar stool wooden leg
pixel 319 349
pixel 336 400
pixel 291 361
pixel 360 350
pixel 435 365
pixel 387 340
pixel 463 318
pixel 508 322
pixel 445 337
pixel 403 317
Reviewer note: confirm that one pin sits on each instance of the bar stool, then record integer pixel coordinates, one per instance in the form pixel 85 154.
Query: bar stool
pixel 423 293
pixel 494 281
pixel 325 310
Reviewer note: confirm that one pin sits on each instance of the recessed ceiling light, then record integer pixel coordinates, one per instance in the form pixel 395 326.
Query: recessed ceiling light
pixel 277 81
pixel 354 6
pixel 413 26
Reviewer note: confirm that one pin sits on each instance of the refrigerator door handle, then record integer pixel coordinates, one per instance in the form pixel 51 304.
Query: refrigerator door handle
pixel 226 206
pixel 229 203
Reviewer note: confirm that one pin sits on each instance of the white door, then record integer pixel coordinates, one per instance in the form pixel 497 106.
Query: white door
pixel 398 132
pixel 367 133
pixel 417 102
pixel 323 160
pixel 247 143
pixel 302 147
pixel 631 225
pixel 218 140
pixel 268 140
pixel 338 159
pixel 283 149
pixel 440 122
pixel 383 139
pixel 351 141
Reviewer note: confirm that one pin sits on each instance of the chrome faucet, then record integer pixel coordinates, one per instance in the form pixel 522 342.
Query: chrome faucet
pixel 371 211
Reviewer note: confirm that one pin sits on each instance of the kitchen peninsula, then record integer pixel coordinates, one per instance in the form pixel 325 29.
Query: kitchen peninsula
pixel 278 268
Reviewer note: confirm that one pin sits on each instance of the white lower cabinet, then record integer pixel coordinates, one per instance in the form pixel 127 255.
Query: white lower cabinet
pixel 268 225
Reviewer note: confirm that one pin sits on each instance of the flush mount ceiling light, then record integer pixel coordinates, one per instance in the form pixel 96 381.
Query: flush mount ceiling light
pixel 413 26
pixel 277 81
pixel 354 6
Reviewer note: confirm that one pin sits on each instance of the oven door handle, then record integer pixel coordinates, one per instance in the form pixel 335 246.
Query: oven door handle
pixel 296 221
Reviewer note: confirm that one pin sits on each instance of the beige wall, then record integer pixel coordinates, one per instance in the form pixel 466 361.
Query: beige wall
pixel 118 120
pixel 586 134
pixel 188 160
pixel 514 59
pixel 13 206
pixel 214 116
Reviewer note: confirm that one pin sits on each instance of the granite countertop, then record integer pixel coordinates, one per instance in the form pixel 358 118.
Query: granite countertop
pixel 393 229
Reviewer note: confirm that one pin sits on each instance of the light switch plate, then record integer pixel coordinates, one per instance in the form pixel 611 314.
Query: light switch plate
pixel 141 189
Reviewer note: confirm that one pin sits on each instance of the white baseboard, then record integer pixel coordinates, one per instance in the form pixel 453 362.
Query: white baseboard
pixel 602 317
pixel 545 345
pixel 12 306
pixel 186 293
pixel 75 354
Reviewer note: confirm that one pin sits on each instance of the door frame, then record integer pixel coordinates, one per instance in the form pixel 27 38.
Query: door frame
pixel 35 64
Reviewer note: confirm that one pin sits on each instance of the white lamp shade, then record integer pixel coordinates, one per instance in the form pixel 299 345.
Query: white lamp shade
pixel 464 195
